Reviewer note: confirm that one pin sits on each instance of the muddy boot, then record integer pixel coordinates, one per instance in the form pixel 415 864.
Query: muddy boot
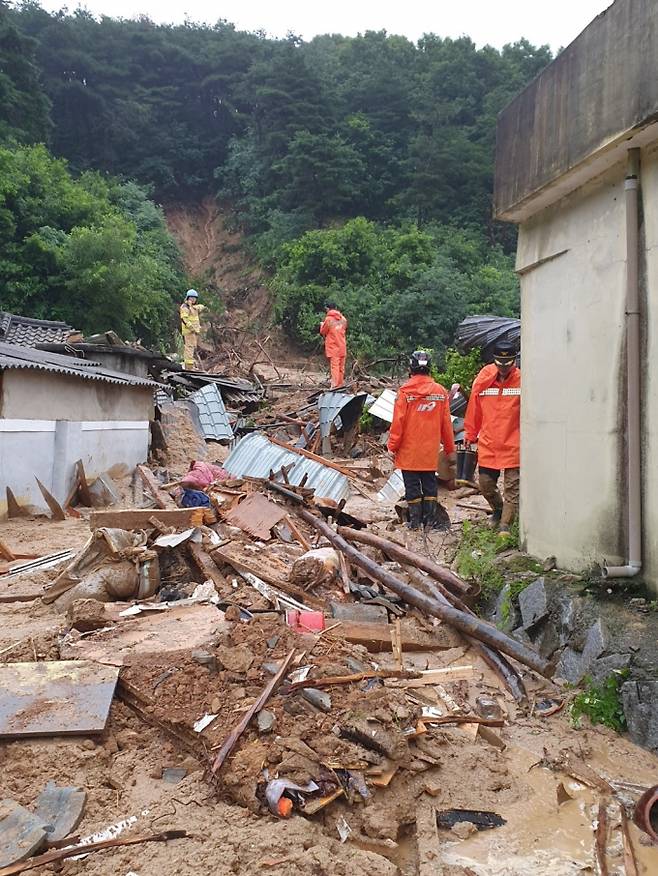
pixel 415 509
pixel 435 515
pixel 494 518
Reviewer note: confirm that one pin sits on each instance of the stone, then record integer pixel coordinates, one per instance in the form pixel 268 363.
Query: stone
pixel 570 666
pixel 640 704
pixel 205 658
pixel 463 829
pixel 266 721
pixel 127 739
pixel 237 659
pixel 356 611
pixel 318 698
pixel 546 639
pixel 237 694
pixel 604 667
pixel 87 614
pixel 505 615
pixel 534 603
pixel 215 706
pixel 596 644
pixel 173 775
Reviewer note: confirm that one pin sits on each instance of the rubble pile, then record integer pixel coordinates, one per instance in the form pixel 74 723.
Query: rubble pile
pixel 257 629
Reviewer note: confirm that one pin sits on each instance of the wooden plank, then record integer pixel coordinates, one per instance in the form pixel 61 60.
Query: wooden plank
pixel 14 509
pixel 208 568
pixel 161 499
pixel 427 840
pixel 83 486
pixel 6 553
pixel 298 534
pixel 55 508
pixel 377 637
pixel 140 518
pixel 434 676
pixel 396 643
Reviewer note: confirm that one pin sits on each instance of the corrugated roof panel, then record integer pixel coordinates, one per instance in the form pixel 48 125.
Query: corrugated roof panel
pixel 14 357
pixel 256 456
pixel 212 413
pixel 383 407
pixel 393 489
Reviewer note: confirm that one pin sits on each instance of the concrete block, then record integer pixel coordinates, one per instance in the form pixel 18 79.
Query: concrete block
pixel 640 703
pixel 534 603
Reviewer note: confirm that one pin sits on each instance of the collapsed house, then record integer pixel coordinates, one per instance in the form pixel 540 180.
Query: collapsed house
pixel 56 410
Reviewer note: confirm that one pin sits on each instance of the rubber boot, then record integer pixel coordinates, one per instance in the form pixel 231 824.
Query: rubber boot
pixel 435 516
pixel 494 518
pixel 415 509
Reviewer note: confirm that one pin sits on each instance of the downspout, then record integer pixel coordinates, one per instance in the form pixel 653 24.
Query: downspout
pixel 633 422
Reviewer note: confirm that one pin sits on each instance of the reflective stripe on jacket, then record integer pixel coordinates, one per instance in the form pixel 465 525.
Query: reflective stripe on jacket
pixel 421 423
pixel 493 418
pixel 334 331
pixel 190 318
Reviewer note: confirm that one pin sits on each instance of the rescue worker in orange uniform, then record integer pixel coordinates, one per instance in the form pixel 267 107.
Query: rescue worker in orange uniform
pixel 334 332
pixel 493 420
pixel 421 423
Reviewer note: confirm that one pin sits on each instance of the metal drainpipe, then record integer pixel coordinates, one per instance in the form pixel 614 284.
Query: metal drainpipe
pixel 633 422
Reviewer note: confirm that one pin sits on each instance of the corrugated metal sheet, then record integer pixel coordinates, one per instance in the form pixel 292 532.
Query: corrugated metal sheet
pixel 340 409
pixel 13 356
pixel 383 407
pixel 393 489
pixel 212 413
pixel 256 456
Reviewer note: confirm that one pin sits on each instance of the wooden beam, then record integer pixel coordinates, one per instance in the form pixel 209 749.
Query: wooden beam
pixel 55 508
pixel 13 507
pixel 208 568
pixel 161 499
pixel 83 486
pixel 377 637
pixel 140 518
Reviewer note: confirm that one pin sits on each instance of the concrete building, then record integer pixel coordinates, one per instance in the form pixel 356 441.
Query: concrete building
pixel 57 409
pixel 577 169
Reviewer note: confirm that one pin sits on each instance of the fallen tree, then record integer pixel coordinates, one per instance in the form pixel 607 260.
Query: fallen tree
pixel 460 620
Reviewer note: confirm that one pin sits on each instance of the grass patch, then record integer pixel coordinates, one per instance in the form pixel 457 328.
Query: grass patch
pixel 477 553
pixel 601 703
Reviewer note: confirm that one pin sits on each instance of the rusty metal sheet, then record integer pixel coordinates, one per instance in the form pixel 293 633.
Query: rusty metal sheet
pixel 21 833
pixel 256 515
pixel 55 698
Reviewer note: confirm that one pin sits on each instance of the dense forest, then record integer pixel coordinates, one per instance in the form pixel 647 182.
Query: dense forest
pixel 359 167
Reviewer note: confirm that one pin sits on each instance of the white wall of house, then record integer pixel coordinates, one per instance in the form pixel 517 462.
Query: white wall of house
pixel 49 421
pixel 572 261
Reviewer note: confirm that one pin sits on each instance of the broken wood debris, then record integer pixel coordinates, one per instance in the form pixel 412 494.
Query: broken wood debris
pixel 140 518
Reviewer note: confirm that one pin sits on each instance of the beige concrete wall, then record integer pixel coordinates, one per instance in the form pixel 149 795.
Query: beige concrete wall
pixel 572 259
pixel 649 175
pixel 38 395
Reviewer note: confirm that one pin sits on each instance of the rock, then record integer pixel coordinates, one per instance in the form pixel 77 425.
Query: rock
pixel 86 615
pixel 237 659
pixel 463 829
pixel 380 822
pixel 89 744
pixel 546 639
pixel 488 707
pixel 570 666
pixel 127 739
pixel 603 667
pixel 266 721
pixel 190 764
pixel 505 614
pixel 358 612
pixel 110 745
pixel 640 703
pixel 596 644
pixel 173 775
pixel 534 603
pixel 318 698
pixel 232 613
pixel 205 658
pixel 215 706
pixel 549 564
pixel 238 693
pixel 355 666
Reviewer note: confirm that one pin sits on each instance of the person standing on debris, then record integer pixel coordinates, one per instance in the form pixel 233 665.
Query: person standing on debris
pixel 493 420
pixel 190 326
pixel 421 424
pixel 334 332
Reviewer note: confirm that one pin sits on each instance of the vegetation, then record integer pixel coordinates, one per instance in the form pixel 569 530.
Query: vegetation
pixel 360 167
pixel 459 368
pixel 477 557
pixel 601 703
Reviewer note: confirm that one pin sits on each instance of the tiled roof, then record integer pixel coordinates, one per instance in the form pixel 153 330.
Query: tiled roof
pixel 15 329
pixel 14 357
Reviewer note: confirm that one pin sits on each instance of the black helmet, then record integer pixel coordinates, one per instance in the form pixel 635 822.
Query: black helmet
pixel 420 362
pixel 505 352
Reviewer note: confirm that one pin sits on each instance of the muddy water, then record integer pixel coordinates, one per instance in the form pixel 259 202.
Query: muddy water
pixel 542 837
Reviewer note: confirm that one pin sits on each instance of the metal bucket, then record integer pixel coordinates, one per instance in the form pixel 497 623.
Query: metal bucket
pixel 466 464
pixel 646 813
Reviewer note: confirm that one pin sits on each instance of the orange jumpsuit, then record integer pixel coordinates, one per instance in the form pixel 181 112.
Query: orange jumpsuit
pixel 493 418
pixel 334 332
pixel 421 423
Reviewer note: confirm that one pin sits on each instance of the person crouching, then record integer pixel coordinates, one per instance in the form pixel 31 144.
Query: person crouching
pixel 421 424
